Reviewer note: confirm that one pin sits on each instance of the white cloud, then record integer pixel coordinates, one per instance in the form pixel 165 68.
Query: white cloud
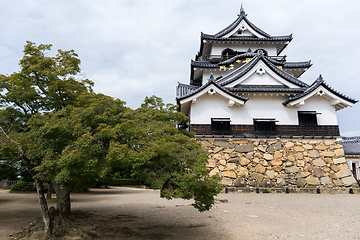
pixel 137 48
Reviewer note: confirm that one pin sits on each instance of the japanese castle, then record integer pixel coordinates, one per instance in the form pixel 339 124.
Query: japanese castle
pixel 241 85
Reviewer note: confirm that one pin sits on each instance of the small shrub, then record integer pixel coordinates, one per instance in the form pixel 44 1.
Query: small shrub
pixel 23 186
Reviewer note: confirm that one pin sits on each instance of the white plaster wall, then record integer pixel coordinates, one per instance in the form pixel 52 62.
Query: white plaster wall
pixel 217 48
pixel 213 106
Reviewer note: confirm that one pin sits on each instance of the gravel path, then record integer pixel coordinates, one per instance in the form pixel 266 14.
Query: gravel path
pixel 128 213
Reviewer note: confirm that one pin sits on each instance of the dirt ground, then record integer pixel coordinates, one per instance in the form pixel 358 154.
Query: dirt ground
pixel 131 213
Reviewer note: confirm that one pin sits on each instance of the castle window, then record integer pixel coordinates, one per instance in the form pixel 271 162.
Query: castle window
pixel 228 53
pixel 307 118
pixel 220 125
pixel 264 125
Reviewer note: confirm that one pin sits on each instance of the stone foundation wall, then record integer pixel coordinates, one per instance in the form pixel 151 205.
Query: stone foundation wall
pixel 279 163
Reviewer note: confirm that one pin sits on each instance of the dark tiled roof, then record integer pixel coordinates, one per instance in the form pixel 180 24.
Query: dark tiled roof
pixel 238 73
pixel 319 82
pixel 297 64
pixel 232 26
pixel 207 64
pixel 351 145
pixel 264 88
pixel 211 81
pixel 248 39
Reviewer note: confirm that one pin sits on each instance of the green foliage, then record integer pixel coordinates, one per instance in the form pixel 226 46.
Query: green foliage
pixel 23 186
pixel 62 131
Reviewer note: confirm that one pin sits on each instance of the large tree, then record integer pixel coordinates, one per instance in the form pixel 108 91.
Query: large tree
pixel 64 133
pixel 43 84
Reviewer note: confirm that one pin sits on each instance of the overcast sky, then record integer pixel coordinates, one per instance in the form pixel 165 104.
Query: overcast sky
pixel 137 48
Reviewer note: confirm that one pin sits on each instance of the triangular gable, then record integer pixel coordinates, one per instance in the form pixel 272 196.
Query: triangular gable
pixel 261 74
pixel 211 89
pixel 245 29
pixel 320 88
pixel 242 24
pixel 260 65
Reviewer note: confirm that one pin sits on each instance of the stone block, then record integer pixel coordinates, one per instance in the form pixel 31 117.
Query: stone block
pixel 218 149
pixel 329 142
pixel 289 164
pixel 299 156
pixel 226 156
pixel 291 170
pixel 271 149
pixel 217 156
pixel 339 160
pixel 314 153
pixel 339 152
pixel 318 172
pixel 278 146
pixel 299 149
pixel 258 154
pixel 262 148
pixel 249 155
pixel 280 182
pixel 240 182
pixel 338 183
pixel 304 174
pixel 260 168
pixel 291 158
pixel 321 147
pixel 211 163
pixel 319 162
pixel 349 181
pixel 277 155
pixel 233 160
pixel 268 156
pixel 206 144
pixel 230 174
pixel 256 160
pixel 335 168
pixel 289 145
pixel 267 183
pixel 276 163
pixel 222 162
pixel 309 167
pixel 326 181
pixel 214 172
pixel 221 143
pixel 226 181
pixel 277 168
pixel 231 166
pixel 312 181
pixel 301 182
pixel 257 177
pixel 301 163
pixel 327 154
pixel 244 148
pixel 243 172
pixel 229 150
pixel 244 161
pixel 343 173
pixel 270 173
pixel 308 146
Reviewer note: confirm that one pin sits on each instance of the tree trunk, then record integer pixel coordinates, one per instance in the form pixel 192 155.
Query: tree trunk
pixel 63 201
pixel 49 192
pixel 44 209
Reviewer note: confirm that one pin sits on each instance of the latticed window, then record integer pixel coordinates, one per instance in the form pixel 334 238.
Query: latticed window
pixel 264 125
pixel 220 125
pixel 307 118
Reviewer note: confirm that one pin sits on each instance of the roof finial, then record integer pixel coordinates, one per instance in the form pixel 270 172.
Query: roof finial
pixel 242 10
pixel 211 78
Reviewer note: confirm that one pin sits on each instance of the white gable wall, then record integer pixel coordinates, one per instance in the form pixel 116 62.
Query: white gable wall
pixel 212 106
